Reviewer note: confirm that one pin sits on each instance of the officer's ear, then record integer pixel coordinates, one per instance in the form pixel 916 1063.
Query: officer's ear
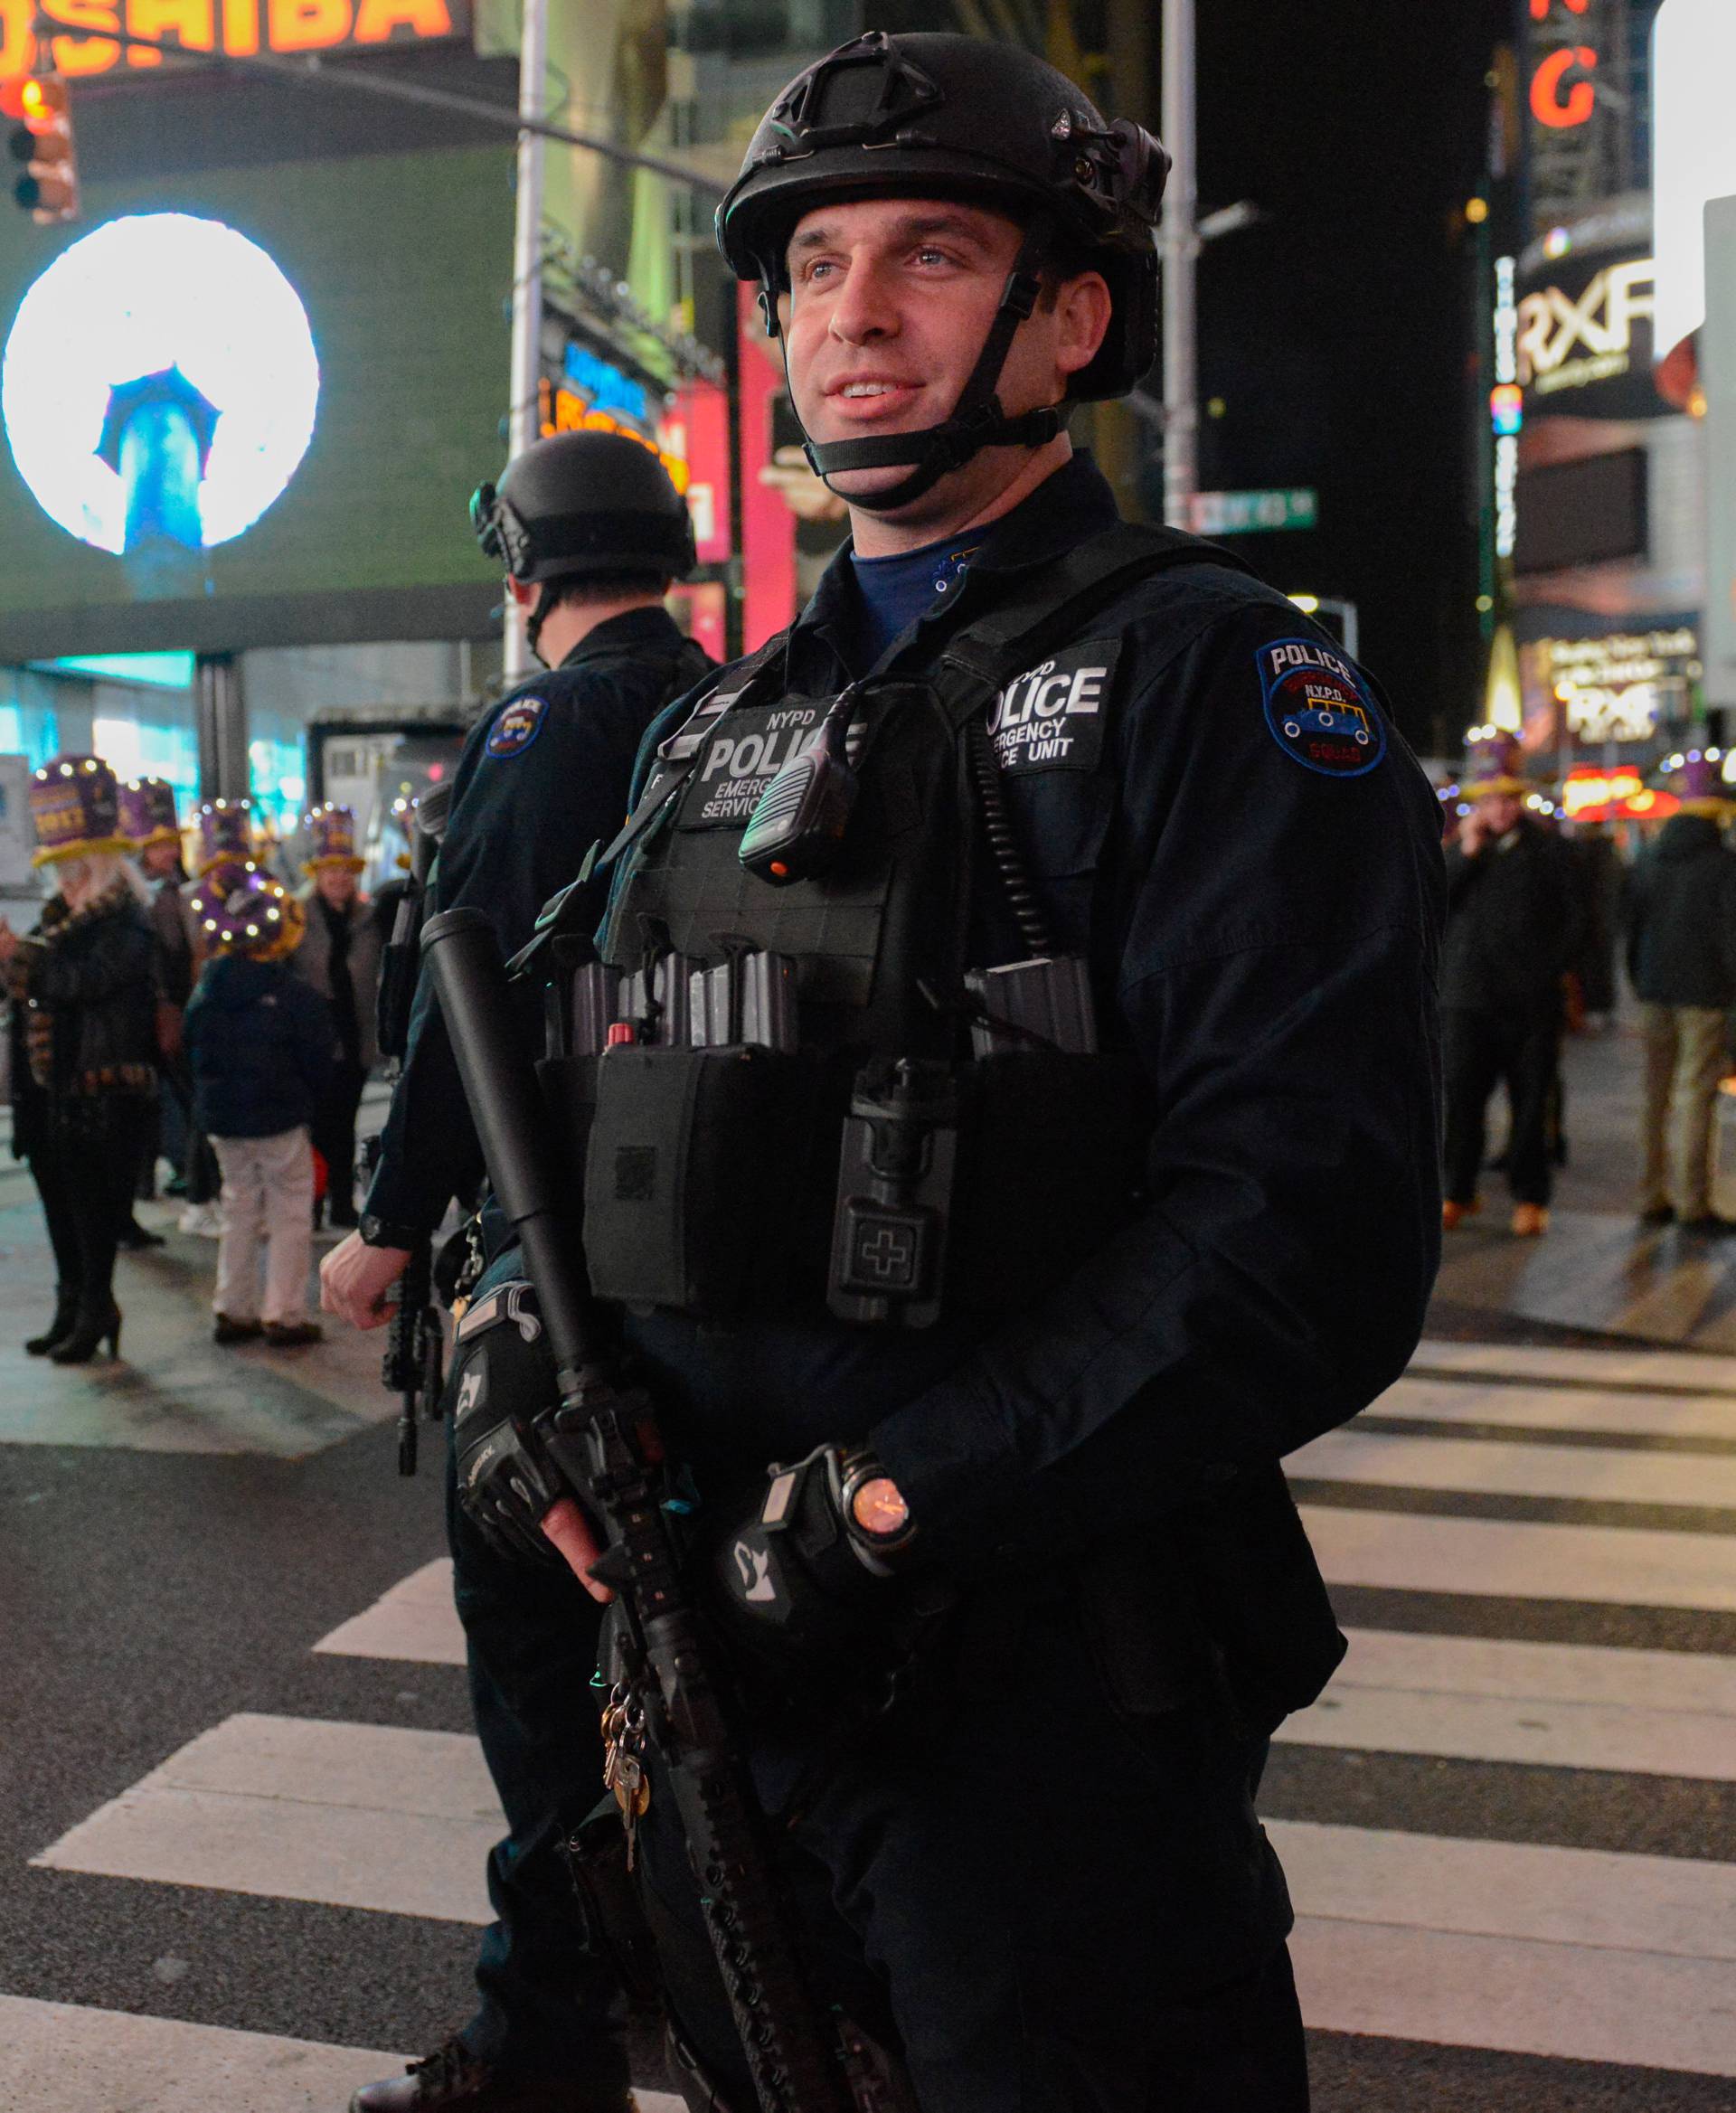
pixel 523 593
pixel 1082 305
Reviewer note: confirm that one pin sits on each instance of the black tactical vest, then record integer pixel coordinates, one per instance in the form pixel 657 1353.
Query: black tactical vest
pixel 850 1135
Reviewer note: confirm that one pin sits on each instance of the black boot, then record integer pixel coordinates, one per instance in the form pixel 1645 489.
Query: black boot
pixel 66 1307
pixel 94 1324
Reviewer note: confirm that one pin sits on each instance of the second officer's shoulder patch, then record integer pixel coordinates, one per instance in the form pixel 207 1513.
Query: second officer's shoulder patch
pixel 517 726
pixel 1319 709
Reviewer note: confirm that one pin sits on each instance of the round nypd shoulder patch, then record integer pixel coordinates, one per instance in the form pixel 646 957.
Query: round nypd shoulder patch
pixel 1319 709
pixel 517 726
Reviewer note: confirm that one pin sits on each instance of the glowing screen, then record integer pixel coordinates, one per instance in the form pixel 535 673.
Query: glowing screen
pixel 246 406
pixel 159 380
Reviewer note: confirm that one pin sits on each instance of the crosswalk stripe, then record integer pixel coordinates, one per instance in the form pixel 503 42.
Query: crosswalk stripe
pixel 1609 1368
pixel 416 1619
pixel 1557 1705
pixel 1543 1408
pixel 354 1815
pixel 1623 1566
pixel 1585 2003
pixel 65 2058
pixel 1505 1467
pixel 1536 1892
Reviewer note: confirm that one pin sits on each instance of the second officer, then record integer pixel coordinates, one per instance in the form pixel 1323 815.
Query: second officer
pixel 590 532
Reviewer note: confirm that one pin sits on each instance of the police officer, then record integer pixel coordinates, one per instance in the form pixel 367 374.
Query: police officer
pixel 591 532
pixel 1048 834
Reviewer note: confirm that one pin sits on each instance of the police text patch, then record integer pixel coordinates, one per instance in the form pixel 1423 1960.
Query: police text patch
pixel 1319 709
pixel 1051 718
pixel 517 727
pixel 742 757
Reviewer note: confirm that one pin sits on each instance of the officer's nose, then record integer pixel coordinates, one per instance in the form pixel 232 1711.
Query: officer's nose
pixel 864 310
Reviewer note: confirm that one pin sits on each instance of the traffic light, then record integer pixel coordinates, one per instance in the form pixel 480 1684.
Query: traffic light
pixel 42 138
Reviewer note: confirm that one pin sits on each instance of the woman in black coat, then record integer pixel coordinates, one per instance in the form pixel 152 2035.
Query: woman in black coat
pixel 83 1047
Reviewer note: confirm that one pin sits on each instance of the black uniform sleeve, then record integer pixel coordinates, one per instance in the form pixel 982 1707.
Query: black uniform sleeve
pixel 1275 964
pixel 519 826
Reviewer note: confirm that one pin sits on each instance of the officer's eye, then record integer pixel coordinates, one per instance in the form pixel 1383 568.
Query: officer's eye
pixel 815 268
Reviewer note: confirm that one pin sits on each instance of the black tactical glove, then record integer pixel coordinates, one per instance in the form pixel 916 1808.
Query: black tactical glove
pixel 818 1571
pixel 506 1481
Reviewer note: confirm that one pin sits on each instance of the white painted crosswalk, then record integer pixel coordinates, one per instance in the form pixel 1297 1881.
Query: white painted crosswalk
pixel 1406 1933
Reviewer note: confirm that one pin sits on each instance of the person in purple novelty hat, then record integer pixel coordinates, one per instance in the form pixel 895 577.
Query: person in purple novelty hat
pixel 340 956
pixel 222 860
pixel 261 1045
pixel 1681 941
pixel 1512 932
pixel 151 827
pixel 83 1046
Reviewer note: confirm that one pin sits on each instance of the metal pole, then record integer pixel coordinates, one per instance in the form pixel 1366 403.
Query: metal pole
pixel 522 422
pixel 1180 245
pixel 220 718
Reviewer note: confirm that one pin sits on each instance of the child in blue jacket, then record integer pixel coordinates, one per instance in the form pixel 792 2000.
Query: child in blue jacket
pixel 259 1042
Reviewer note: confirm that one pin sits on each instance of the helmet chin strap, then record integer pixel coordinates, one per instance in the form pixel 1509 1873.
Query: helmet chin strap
pixel 977 420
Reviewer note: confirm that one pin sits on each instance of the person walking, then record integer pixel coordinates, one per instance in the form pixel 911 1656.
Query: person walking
pixel 223 856
pixel 260 1042
pixel 1514 913
pixel 340 956
pixel 149 823
pixel 1681 951
pixel 83 1047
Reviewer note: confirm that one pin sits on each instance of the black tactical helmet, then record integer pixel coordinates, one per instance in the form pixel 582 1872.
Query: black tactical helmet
pixel 939 115
pixel 580 504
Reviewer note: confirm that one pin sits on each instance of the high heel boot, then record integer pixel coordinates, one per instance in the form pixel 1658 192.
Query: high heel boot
pixel 93 1326
pixel 66 1307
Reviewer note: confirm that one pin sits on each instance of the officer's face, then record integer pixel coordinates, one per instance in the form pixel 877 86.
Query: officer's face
pixel 890 301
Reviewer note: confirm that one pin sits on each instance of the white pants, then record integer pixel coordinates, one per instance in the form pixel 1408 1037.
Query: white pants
pixel 267 1204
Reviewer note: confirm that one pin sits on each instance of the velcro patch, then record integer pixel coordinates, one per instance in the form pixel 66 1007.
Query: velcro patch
pixel 1318 708
pixel 1051 718
pixel 517 727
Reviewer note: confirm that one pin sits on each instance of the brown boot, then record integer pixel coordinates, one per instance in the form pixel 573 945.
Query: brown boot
pixel 1452 1213
pixel 1530 1221
pixel 453 2081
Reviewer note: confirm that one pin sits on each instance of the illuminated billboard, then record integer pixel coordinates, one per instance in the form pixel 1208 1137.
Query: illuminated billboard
pixel 238 28
pixel 158 385
pixel 247 406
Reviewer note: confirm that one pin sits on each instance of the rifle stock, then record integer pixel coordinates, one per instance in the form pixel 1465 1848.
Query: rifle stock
pixel 604 1441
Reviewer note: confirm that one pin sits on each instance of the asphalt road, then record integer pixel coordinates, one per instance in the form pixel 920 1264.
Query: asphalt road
pixel 1510 1830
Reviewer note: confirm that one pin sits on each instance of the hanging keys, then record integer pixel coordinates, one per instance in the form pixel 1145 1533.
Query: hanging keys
pixel 624 1775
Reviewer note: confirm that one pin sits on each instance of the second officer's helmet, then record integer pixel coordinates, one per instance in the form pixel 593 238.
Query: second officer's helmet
pixel 580 506
pixel 939 115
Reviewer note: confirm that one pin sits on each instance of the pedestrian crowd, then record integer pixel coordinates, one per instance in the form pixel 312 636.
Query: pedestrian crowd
pixel 1535 923
pixel 220 1021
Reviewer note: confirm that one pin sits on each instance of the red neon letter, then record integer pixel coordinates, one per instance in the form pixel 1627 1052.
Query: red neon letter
pixel 1548 104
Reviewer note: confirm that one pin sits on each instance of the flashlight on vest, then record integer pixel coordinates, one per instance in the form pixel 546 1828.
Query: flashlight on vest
pixel 798 822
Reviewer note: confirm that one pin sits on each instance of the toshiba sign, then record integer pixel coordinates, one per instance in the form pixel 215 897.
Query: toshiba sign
pixel 237 28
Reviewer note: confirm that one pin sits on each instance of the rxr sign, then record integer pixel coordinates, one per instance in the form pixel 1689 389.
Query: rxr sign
pixel 1566 341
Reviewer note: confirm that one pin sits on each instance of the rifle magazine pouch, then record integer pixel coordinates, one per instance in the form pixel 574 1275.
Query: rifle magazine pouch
pixel 695 1177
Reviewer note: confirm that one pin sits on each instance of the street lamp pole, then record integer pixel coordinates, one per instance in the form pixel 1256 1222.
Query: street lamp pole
pixel 1180 244
pixel 522 422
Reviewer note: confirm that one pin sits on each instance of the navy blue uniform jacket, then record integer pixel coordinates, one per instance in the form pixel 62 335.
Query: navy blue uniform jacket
pixel 542 778
pixel 1217 809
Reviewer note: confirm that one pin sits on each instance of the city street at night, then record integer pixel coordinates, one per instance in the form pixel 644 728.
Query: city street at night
pixel 245 1818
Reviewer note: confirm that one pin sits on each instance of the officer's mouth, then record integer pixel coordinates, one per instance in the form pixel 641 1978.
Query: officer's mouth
pixel 870 399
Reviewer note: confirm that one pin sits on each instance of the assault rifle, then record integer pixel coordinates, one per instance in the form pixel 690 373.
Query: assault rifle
pixel 602 1436
pixel 413 1366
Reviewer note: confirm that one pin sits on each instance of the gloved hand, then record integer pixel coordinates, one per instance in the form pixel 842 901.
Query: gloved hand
pixel 507 1484
pixel 816 1570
